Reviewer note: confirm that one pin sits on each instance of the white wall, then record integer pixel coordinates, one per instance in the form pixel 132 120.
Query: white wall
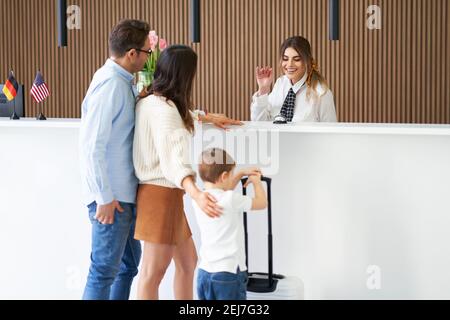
pixel 341 203
pixel 44 234
pixel 349 206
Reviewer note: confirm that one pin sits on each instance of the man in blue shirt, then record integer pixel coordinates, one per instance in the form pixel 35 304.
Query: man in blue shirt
pixel 109 182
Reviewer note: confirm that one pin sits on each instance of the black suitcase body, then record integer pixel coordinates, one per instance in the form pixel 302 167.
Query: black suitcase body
pixel 267 285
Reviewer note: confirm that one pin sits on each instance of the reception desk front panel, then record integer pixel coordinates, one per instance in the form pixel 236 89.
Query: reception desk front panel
pixel 359 211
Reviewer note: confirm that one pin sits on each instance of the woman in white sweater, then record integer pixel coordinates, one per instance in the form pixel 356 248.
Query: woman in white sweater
pixel 161 155
pixel 301 95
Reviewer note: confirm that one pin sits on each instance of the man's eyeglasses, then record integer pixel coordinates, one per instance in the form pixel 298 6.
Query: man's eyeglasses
pixel 149 51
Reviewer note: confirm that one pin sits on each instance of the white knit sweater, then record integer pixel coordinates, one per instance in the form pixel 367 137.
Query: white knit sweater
pixel 161 150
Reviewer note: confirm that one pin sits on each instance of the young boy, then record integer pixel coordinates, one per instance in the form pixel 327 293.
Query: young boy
pixel 222 273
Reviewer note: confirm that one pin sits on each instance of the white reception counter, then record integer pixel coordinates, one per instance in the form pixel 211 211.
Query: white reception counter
pixel 360 211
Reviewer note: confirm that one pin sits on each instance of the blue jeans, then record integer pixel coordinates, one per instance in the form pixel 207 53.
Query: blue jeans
pixel 115 256
pixel 222 285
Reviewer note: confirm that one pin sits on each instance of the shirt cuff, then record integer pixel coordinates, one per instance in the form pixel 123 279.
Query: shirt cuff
pixel 197 113
pixel 261 101
pixel 104 198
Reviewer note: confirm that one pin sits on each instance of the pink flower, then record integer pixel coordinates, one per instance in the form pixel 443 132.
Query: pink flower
pixel 153 39
pixel 162 44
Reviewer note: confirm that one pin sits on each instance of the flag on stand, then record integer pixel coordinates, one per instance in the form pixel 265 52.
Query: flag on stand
pixel 39 90
pixel 11 87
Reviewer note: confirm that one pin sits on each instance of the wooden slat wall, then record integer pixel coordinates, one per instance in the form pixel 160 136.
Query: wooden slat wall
pixel 397 74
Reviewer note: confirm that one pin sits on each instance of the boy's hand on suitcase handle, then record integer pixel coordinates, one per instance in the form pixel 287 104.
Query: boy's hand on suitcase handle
pixel 260 200
pixel 244 173
pixel 254 178
pixel 250 171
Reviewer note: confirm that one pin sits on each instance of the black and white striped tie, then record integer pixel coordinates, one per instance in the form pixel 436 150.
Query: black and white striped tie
pixel 287 111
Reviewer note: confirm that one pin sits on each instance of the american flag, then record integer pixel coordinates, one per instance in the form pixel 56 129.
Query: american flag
pixel 39 90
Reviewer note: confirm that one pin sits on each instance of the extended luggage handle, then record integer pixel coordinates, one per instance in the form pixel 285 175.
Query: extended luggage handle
pixel 268 181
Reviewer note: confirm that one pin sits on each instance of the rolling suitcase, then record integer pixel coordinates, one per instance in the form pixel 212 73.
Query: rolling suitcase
pixel 269 286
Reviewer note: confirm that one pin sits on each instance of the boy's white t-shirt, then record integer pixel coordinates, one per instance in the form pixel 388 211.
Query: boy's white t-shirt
pixel 223 240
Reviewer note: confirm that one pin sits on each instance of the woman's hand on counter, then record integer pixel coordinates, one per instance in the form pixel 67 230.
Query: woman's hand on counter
pixel 220 120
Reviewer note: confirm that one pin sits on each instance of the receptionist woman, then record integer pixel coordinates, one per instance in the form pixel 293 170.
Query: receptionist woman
pixel 301 95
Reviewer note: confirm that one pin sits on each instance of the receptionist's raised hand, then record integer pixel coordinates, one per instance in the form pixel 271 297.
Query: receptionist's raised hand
pixel 220 120
pixel 264 78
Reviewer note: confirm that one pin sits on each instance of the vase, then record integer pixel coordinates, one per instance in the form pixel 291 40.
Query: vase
pixel 144 79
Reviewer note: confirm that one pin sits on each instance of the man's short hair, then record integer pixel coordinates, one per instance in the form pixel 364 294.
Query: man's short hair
pixel 128 34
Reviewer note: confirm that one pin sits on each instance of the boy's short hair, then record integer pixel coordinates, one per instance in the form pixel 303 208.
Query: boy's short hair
pixel 213 163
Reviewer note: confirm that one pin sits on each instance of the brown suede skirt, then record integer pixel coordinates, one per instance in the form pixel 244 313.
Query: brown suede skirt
pixel 160 215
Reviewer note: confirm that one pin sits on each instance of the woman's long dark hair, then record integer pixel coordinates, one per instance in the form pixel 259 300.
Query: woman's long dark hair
pixel 174 77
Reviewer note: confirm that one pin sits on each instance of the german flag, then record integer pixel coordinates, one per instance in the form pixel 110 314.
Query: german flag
pixel 10 88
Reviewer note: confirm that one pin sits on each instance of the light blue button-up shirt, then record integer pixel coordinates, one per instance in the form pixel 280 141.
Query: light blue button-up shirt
pixel 106 137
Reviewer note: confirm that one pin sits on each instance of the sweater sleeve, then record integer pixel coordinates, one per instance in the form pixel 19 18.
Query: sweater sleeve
pixel 172 143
